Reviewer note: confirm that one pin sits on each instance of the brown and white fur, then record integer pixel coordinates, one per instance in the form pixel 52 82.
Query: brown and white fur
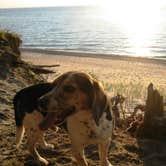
pixel 28 116
pixel 93 120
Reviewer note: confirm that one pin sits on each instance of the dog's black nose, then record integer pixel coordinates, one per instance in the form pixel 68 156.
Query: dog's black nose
pixel 42 103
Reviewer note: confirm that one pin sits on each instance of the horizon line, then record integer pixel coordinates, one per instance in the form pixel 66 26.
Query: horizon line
pixel 49 6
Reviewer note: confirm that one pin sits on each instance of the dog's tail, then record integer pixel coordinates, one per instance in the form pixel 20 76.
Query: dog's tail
pixel 18 119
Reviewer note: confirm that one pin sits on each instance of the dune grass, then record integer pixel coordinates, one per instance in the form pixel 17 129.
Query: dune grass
pixel 10 41
pixel 134 89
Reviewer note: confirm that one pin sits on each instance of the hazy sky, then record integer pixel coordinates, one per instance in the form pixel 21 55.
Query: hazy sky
pixel 40 3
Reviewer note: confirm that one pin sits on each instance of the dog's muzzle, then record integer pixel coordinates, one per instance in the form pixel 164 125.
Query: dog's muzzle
pixel 56 118
pixel 61 117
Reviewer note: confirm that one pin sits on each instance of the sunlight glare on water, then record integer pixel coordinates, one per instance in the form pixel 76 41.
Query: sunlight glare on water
pixel 139 20
pixel 120 27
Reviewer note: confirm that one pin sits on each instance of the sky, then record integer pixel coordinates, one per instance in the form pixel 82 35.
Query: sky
pixel 46 3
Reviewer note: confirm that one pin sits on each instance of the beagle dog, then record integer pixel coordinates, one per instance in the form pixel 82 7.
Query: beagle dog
pixel 92 121
pixel 28 116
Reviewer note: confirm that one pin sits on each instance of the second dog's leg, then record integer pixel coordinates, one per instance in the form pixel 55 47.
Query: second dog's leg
pixel 103 151
pixel 32 140
pixel 78 153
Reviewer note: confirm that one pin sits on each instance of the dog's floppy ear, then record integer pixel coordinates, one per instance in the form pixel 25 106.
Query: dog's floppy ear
pixel 100 101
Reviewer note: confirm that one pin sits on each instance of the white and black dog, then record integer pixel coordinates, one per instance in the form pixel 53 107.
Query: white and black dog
pixel 75 97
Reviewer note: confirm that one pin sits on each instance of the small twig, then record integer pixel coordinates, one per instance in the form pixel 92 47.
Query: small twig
pixel 35 68
pixel 42 66
pixel 41 71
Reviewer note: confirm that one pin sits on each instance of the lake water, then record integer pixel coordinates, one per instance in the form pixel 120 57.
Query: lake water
pixel 88 29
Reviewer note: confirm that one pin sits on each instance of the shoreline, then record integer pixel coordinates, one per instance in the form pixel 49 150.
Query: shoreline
pixel 82 54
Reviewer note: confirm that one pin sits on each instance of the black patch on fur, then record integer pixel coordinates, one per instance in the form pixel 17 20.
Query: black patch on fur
pixel 25 101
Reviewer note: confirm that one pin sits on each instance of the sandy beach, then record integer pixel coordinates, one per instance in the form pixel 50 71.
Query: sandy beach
pixel 112 41
pixel 119 74
pixel 129 76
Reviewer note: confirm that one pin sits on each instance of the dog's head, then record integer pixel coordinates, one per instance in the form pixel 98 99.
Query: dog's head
pixel 73 92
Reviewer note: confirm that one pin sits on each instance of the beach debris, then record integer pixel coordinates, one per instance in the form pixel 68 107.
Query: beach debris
pixel 133 123
pixel 38 69
pixel 35 68
pixel 154 121
pixel 138 107
pixel 147 120
pixel 117 107
pixel 41 66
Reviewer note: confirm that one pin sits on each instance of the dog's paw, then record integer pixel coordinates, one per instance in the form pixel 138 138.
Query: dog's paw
pixel 49 147
pixel 107 163
pixel 42 161
pixel 46 146
pixel 54 128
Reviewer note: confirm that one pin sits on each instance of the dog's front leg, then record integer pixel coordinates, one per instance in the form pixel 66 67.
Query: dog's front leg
pixel 32 140
pixel 78 153
pixel 103 152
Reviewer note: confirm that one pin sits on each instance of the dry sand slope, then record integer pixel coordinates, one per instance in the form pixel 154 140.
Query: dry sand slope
pixel 124 150
pixel 9 156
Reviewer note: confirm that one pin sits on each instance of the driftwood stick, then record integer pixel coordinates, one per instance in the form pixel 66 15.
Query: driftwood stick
pixel 42 66
pixel 35 68
pixel 41 71
pixel 39 66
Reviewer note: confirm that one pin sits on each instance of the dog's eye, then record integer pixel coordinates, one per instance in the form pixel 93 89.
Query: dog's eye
pixel 69 89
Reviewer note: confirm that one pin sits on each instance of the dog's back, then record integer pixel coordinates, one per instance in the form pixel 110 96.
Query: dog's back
pixel 25 101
